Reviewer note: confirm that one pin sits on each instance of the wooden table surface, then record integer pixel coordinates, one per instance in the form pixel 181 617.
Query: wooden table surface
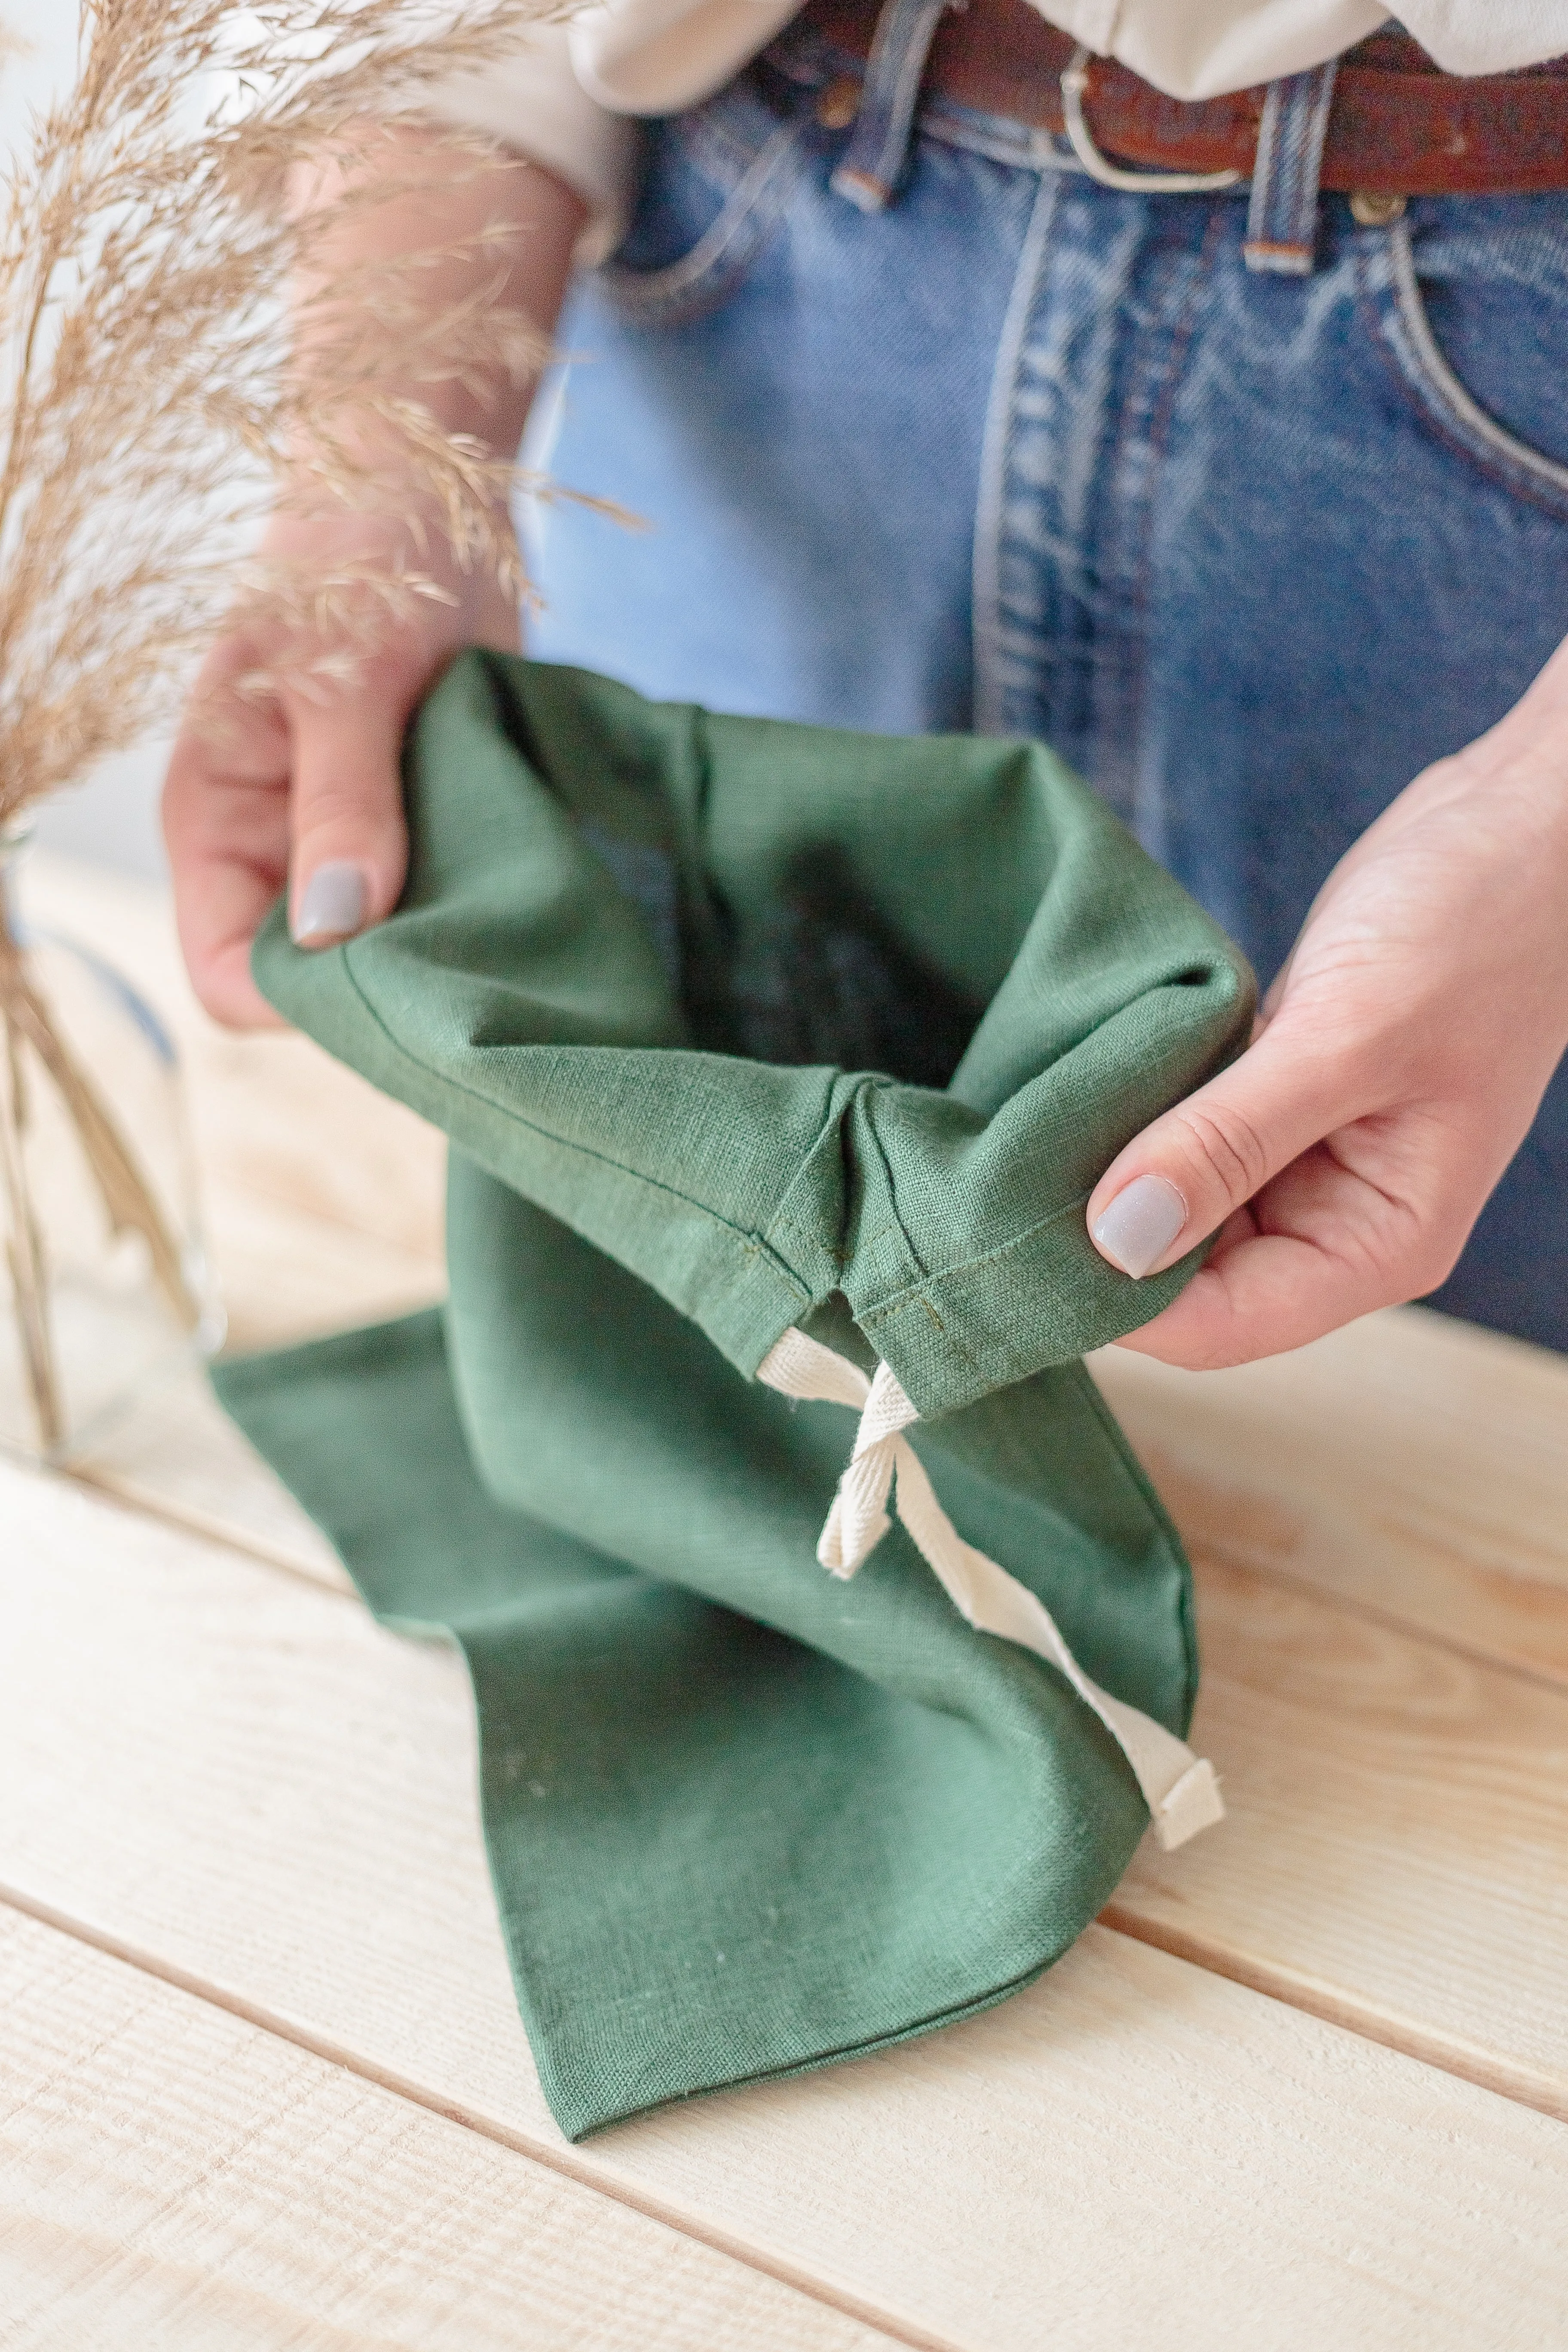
pixel 262 2081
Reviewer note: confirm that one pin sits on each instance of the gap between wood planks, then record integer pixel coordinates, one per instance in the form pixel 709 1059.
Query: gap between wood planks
pixel 209 1527
pixel 1278 1980
pixel 1315 1995
pixel 212 1528
pixel 556 2156
pixel 1235 1555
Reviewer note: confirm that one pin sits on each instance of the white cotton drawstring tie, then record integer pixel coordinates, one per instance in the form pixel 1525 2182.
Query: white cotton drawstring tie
pixel 1180 1788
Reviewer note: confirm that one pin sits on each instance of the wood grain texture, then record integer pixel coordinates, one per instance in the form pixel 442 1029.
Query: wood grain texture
pixel 175 2179
pixel 1396 1854
pixel 1415 1470
pixel 1409 1465
pixel 277 1804
pixel 180 1457
pixel 1396 1851
pixel 248 1783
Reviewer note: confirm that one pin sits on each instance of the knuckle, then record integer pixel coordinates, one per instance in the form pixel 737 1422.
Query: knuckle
pixel 1224 1145
pixel 1432 1261
pixel 1402 1250
pixel 363 805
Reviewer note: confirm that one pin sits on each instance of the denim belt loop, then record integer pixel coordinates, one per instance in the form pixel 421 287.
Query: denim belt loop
pixel 1282 216
pixel 874 162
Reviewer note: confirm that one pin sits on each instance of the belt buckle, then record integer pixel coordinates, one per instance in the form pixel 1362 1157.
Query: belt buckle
pixel 1075 87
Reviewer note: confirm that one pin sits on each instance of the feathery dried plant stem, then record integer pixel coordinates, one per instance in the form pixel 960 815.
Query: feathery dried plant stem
pixel 151 389
pixel 129 1202
pixel 24 1250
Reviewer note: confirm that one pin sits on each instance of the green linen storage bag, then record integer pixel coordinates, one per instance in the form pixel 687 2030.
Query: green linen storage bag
pixel 778 1063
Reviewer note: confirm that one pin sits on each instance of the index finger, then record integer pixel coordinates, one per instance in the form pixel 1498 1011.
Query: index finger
pixel 225 823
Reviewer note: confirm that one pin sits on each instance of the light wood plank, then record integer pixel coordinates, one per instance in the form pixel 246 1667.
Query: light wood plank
pixel 1409 1465
pixel 1396 1856
pixel 244 1779
pixel 180 1457
pixel 286 1275
pixel 1396 1851
pixel 174 2179
pixel 1415 1469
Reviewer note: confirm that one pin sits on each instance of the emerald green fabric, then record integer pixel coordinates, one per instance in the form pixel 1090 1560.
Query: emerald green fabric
pixel 735 1026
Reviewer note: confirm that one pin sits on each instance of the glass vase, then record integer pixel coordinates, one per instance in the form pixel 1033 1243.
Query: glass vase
pixel 107 1292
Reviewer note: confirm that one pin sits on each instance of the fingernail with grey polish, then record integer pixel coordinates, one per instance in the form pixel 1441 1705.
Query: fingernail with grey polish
pixel 1141 1224
pixel 331 905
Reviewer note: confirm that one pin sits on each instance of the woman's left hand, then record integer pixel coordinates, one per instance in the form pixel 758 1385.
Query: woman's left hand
pixel 1397 1063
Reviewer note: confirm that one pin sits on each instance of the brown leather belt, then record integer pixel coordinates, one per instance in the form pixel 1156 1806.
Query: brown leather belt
pixel 1398 127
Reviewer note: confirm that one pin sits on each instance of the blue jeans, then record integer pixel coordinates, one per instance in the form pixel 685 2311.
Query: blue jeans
pixel 1028 455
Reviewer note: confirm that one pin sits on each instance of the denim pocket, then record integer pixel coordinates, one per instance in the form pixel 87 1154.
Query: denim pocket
pixel 716 186
pixel 1473 316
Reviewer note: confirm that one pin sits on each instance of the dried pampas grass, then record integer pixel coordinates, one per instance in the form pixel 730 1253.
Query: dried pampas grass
pixel 156 266
pixel 148 252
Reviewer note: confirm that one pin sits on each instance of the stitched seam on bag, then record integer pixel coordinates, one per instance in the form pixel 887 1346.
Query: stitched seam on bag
pixel 1136 1481
pixel 922 1271
pixel 971 1265
pixel 783 1218
pixel 905 1303
pixel 755 1244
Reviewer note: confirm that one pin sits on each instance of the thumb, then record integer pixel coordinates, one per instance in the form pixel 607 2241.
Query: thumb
pixel 1198 1163
pixel 349 849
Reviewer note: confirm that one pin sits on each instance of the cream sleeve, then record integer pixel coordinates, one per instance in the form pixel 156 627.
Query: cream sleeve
pixel 535 102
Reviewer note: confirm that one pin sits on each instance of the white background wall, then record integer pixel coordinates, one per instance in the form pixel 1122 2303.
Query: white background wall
pixel 113 816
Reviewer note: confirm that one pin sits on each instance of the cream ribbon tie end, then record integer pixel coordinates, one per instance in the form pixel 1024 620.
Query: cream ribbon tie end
pixel 1180 1788
pixel 1194 1803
